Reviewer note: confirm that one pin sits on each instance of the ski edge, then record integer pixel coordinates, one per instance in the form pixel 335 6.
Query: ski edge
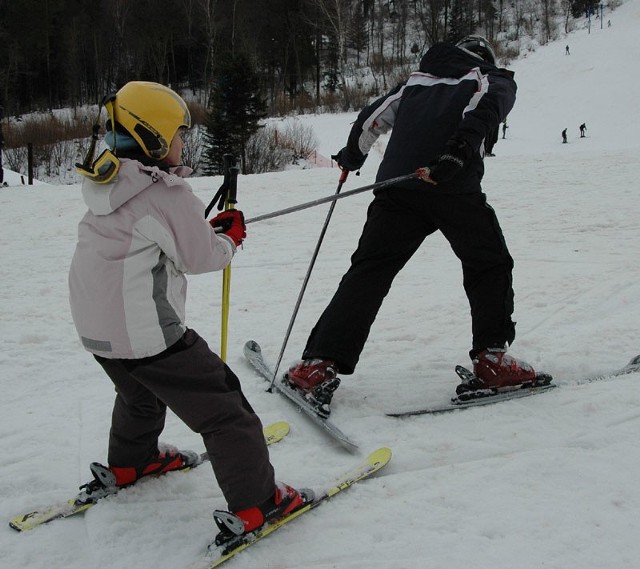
pixel 485 401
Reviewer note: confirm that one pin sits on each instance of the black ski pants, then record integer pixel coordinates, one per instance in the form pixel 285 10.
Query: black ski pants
pixel 204 393
pixel 398 221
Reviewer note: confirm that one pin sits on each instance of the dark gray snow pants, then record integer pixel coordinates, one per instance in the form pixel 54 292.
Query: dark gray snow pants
pixel 205 394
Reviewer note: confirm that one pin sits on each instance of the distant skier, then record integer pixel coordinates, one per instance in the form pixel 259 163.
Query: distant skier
pixel 566 51
pixel 564 136
pixel 583 128
pixel 505 126
pixel 490 141
pixel 1 147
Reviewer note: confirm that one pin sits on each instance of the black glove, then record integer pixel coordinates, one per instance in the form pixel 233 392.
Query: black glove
pixel 349 160
pixel 456 155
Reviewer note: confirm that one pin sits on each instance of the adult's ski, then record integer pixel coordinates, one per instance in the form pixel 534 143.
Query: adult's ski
pixel 217 555
pixel 24 522
pixel 253 353
pixel 457 404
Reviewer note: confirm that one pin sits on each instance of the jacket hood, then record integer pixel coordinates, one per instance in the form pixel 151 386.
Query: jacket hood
pixel 447 60
pixel 133 178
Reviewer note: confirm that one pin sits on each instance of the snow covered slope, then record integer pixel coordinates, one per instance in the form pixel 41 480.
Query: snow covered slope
pixel 549 481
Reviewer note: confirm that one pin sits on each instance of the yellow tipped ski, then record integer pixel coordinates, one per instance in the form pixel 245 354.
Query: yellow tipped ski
pixel 272 434
pixel 372 464
pixel 34 519
pixel 275 432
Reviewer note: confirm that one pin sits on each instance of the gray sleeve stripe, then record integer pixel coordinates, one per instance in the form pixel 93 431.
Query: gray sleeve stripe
pixel 96 345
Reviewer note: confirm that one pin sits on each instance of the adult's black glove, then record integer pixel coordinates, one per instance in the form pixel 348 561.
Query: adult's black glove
pixel 349 160
pixel 456 155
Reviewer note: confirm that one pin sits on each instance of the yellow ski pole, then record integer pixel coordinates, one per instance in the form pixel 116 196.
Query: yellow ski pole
pixel 231 173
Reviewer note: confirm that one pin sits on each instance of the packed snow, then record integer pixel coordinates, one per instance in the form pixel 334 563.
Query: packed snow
pixel 547 481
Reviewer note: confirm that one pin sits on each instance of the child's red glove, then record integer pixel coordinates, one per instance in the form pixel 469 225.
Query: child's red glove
pixel 231 223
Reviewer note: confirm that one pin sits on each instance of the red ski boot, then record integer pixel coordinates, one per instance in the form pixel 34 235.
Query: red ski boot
pixel 494 370
pixel 316 379
pixel 284 501
pixel 308 374
pixel 164 462
pixel 108 479
pixel 497 369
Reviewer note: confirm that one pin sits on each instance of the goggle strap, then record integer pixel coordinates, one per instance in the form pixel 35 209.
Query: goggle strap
pixel 110 99
pixel 87 165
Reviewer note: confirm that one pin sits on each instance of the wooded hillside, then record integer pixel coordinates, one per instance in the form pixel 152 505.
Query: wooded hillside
pixel 65 53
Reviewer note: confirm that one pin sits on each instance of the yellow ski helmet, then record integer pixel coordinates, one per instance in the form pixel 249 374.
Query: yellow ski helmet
pixel 151 113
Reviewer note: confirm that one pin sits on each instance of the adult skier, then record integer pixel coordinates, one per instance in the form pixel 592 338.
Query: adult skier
pixel 440 117
pixel 490 141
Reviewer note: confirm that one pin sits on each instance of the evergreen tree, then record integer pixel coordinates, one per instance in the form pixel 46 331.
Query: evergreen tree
pixel 456 22
pixel 461 20
pixel 235 110
pixel 358 34
pixel 584 7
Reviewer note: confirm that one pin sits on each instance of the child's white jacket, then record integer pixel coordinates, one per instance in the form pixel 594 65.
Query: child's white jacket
pixel 127 282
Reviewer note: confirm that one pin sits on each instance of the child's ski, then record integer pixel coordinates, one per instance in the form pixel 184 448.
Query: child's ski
pixel 273 433
pixel 218 555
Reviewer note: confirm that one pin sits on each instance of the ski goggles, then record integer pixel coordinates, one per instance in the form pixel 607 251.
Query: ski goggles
pixel 102 170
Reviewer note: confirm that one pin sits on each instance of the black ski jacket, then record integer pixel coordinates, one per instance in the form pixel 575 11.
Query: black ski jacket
pixel 453 93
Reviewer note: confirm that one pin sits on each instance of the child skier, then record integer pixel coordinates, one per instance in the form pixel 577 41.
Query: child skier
pixel 143 231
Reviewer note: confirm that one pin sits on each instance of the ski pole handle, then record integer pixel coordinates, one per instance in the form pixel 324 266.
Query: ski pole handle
pixel 231 171
pixel 231 183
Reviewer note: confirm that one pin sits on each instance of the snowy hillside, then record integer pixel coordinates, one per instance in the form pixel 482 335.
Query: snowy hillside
pixel 549 481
